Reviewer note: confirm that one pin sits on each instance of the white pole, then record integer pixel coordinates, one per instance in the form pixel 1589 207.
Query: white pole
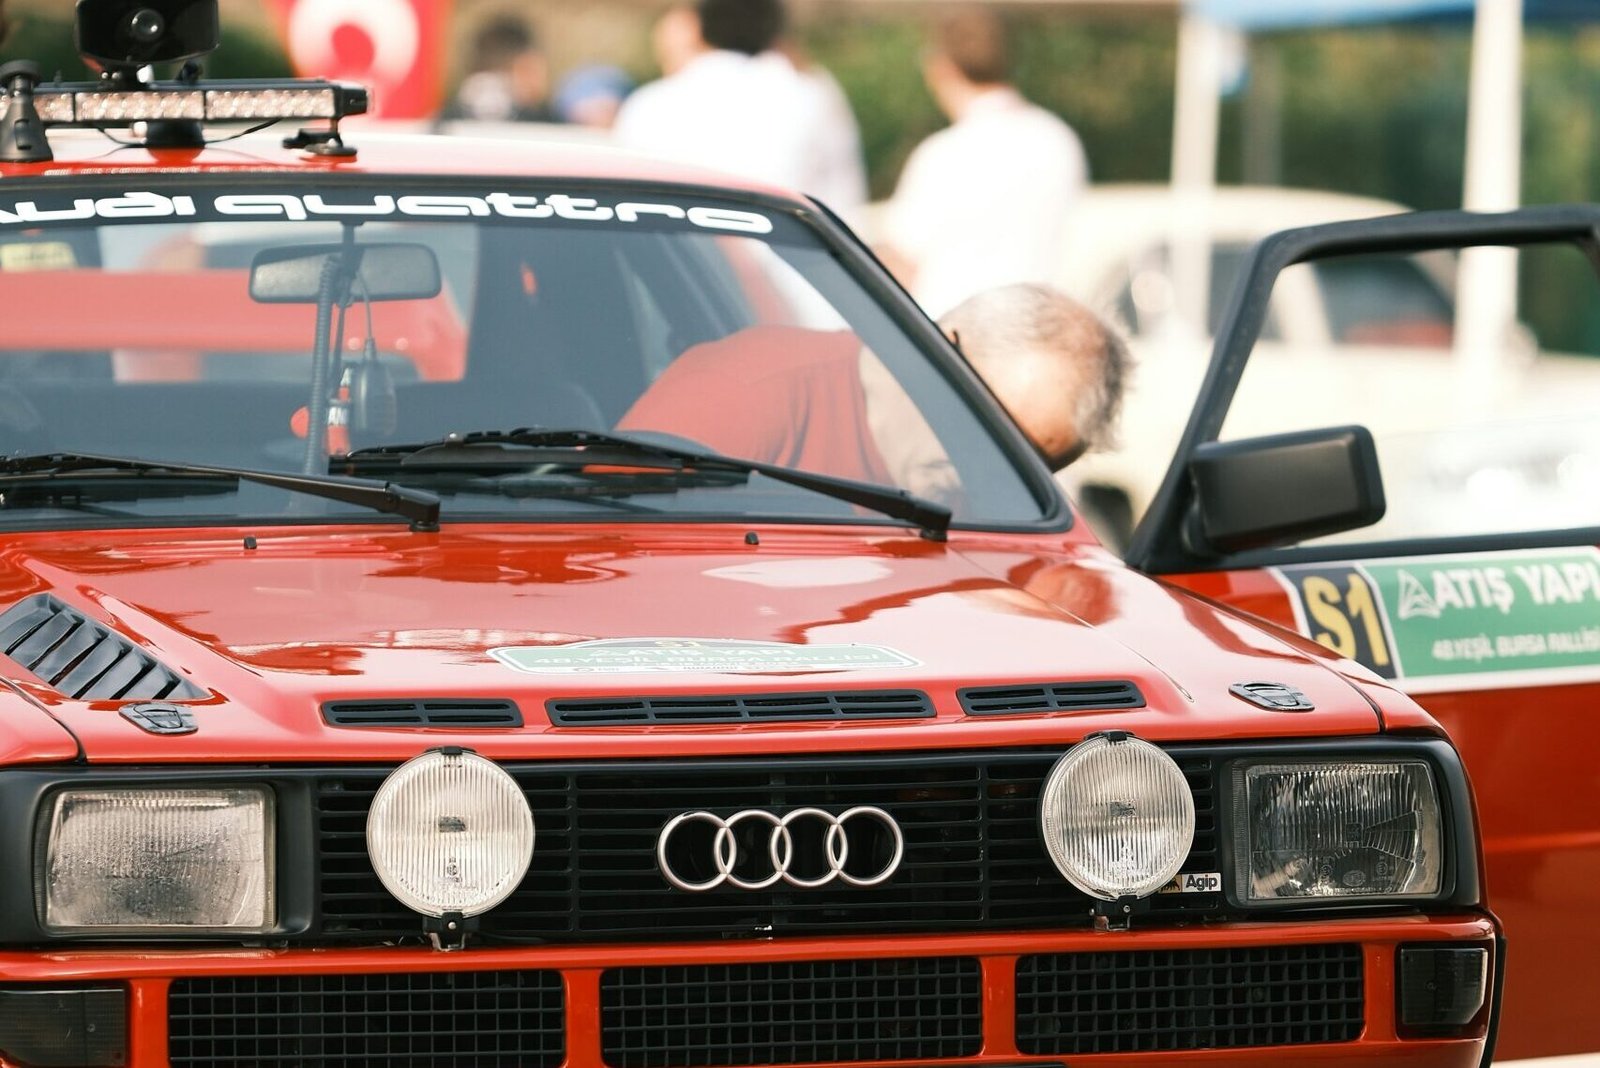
pixel 1486 290
pixel 1196 117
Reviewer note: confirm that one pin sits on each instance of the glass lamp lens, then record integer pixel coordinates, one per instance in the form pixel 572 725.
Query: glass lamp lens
pixel 1369 829
pixel 1118 817
pixel 135 859
pixel 450 832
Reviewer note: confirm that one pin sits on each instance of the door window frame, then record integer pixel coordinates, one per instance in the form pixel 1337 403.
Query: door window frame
pixel 1159 544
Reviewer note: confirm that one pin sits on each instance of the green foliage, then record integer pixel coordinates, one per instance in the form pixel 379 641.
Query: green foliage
pixel 1111 79
pixel 48 41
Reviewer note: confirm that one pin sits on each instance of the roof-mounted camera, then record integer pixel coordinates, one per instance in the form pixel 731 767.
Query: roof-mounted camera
pixel 123 40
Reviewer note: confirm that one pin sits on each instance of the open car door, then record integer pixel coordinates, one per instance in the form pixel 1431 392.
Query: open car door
pixel 1434 517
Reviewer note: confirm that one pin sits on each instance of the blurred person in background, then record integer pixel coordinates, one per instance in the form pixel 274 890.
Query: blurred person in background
pixel 5 26
pixel 676 38
pixel 740 108
pixel 508 77
pixel 840 172
pixel 592 96
pixel 983 202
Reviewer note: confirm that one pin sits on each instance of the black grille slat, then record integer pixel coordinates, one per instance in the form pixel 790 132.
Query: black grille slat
pixel 423 712
pixel 739 708
pixel 444 1020
pixel 1058 697
pixel 84 659
pixel 1163 1000
pixel 802 1012
pixel 973 858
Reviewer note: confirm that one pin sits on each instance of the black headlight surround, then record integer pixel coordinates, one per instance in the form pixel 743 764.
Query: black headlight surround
pixel 1459 877
pixel 30 793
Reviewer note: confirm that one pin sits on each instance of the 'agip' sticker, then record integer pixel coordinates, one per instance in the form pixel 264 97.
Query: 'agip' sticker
pixel 621 656
pixel 1457 622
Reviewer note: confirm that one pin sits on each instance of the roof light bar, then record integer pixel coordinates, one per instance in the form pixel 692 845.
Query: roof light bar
pixel 254 101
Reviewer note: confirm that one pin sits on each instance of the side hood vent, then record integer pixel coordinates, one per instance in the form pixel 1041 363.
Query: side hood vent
pixel 1061 697
pixel 740 708
pixel 84 659
pixel 423 712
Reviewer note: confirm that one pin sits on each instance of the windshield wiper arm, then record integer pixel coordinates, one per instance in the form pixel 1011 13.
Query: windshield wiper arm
pixel 932 519
pixel 416 505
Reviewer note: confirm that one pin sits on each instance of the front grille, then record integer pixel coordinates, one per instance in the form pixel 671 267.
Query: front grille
pixel 1062 697
pixel 1081 1003
pixel 973 859
pixel 740 708
pixel 791 1013
pixel 82 658
pixel 465 1019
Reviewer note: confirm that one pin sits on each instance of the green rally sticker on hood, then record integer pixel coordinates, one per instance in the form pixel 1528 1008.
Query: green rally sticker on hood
pixel 617 656
pixel 1449 622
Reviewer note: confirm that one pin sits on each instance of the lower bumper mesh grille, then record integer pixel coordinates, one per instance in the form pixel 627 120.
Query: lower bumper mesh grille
pixel 444 1020
pixel 791 1013
pixel 1082 1003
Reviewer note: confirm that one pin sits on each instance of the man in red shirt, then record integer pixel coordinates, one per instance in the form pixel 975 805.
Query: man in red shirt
pixel 778 394
pixel 820 401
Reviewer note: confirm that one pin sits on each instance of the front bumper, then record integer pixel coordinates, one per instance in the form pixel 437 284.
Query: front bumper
pixel 1157 997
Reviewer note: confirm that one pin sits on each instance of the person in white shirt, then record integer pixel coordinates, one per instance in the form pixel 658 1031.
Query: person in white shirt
pixel 983 202
pixel 839 172
pixel 740 107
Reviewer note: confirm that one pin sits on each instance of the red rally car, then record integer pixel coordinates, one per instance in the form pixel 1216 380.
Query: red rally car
pixel 461 607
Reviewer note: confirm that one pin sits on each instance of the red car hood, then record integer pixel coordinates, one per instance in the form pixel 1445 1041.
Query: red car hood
pixel 309 616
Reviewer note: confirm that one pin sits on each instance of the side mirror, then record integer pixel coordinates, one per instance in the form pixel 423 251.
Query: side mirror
pixel 391 271
pixel 1282 489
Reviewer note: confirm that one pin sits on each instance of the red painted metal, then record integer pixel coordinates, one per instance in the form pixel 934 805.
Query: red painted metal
pixel 81 152
pixel 311 615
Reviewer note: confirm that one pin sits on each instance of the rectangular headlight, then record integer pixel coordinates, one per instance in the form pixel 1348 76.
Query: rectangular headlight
pixel 137 860
pixel 1308 833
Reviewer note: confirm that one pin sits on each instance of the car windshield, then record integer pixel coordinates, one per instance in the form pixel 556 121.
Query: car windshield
pixel 180 323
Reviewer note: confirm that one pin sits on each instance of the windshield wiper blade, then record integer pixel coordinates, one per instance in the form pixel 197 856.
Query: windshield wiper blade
pixel 932 519
pixel 413 504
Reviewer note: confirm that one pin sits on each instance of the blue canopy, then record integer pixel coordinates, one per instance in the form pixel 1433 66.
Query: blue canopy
pixel 1285 14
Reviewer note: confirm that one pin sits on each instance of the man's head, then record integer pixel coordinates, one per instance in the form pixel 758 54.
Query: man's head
pixel 1050 361
pixel 969 53
pixel 500 42
pixel 748 26
pixel 508 48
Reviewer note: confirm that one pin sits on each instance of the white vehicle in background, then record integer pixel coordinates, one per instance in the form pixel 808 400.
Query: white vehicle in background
pixel 1365 339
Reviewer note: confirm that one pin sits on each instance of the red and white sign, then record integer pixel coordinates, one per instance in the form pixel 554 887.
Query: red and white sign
pixel 394 47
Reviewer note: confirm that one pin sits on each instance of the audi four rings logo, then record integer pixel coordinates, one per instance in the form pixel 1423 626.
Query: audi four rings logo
pixel 723 853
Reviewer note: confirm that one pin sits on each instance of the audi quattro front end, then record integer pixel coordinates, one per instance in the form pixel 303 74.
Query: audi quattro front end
pixel 458 613
pixel 357 844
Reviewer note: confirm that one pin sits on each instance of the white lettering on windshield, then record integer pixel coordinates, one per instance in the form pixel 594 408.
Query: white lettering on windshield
pixel 146 205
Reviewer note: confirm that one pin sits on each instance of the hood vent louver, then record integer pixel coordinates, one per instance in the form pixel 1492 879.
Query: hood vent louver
pixel 84 659
pixel 424 712
pixel 1060 697
pixel 740 708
